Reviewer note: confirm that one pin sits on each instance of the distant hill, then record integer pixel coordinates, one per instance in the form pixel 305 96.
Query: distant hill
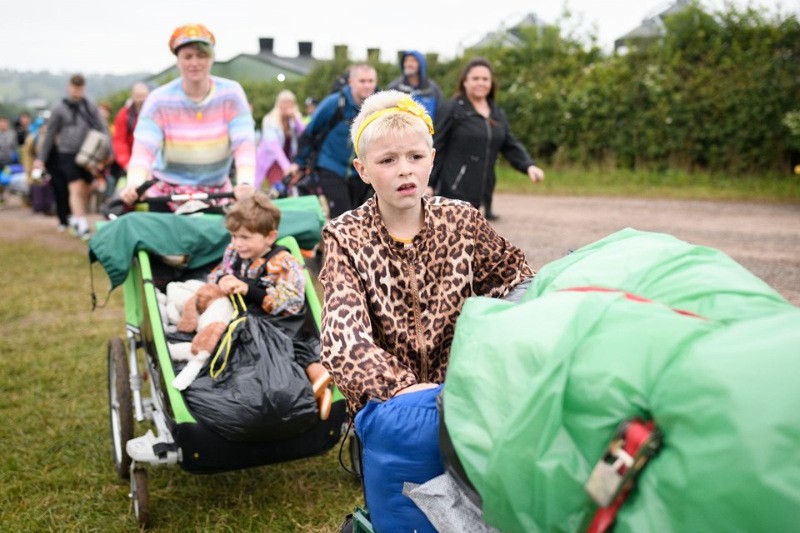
pixel 36 90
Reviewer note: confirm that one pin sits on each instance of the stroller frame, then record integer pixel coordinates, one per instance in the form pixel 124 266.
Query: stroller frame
pixel 176 436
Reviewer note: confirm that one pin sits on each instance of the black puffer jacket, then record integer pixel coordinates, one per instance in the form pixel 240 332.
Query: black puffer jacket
pixel 467 145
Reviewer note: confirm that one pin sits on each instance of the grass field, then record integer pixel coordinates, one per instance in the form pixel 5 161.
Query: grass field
pixel 57 473
pixel 650 184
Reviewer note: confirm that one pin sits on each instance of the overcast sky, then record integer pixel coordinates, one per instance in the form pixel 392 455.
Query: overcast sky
pixel 118 37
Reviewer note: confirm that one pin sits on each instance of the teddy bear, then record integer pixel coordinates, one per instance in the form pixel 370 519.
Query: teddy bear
pixel 208 311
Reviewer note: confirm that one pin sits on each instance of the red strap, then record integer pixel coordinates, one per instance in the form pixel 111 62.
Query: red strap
pixel 629 296
pixel 635 435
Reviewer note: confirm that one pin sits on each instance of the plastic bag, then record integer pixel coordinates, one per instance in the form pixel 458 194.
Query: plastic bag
pixel 262 394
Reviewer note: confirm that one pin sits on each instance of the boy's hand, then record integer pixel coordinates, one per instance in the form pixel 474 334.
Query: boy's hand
pixel 233 285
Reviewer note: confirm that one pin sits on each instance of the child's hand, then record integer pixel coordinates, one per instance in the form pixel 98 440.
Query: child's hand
pixel 233 285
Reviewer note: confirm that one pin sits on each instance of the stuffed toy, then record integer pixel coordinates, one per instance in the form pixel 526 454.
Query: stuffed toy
pixel 178 293
pixel 208 312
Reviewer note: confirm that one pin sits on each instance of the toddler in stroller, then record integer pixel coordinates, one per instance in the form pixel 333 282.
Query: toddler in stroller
pixel 270 280
pixel 136 251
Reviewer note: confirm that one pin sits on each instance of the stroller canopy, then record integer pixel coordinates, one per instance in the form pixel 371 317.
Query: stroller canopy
pixel 202 238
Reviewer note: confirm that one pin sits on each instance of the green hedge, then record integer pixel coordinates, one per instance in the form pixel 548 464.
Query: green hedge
pixel 716 94
pixel 719 93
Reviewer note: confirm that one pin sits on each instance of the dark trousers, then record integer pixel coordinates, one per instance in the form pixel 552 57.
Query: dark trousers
pixel 60 192
pixel 343 194
pixel 488 195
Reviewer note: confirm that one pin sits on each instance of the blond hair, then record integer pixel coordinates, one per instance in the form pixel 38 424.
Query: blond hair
pixel 393 123
pixel 274 115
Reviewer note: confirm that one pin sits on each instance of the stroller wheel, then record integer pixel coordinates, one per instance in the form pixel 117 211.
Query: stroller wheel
pixel 140 497
pixel 120 405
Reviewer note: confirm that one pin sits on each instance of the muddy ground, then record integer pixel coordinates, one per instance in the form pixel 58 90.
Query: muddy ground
pixel 765 238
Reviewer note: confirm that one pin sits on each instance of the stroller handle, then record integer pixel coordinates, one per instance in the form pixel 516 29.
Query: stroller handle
pixel 115 206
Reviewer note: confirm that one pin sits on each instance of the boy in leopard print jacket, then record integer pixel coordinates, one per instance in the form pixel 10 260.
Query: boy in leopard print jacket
pixel 398 268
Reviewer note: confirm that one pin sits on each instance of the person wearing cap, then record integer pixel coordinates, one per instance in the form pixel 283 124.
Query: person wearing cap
pixel 193 128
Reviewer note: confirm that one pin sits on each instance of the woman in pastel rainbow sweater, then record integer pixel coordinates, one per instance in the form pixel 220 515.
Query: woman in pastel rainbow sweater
pixel 191 129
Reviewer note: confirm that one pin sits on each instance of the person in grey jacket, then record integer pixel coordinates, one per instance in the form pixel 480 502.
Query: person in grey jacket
pixel 8 142
pixel 70 122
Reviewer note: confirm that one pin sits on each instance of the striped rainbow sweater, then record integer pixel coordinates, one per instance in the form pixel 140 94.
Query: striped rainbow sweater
pixel 191 143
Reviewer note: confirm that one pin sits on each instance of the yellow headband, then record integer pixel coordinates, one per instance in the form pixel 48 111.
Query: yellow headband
pixel 404 105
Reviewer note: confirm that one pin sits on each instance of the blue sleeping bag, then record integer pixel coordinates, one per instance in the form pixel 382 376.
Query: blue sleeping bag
pixel 400 442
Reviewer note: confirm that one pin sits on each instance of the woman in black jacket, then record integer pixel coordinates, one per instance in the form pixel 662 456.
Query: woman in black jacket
pixel 470 131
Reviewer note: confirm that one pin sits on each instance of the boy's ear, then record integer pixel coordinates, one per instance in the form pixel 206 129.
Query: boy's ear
pixel 273 236
pixel 361 169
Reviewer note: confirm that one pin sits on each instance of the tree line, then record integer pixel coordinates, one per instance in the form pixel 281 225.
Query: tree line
pixel 719 92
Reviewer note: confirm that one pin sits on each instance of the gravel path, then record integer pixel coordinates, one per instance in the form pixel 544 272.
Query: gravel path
pixel 765 238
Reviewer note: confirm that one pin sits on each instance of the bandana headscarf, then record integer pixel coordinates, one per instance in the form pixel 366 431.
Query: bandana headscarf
pixel 190 33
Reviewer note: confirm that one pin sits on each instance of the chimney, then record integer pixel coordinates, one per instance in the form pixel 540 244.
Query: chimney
pixel 304 48
pixel 373 55
pixel 340 52
pixel 265 45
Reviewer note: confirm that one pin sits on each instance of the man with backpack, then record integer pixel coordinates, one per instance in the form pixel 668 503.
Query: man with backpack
pixel 326 152
pixel 70 121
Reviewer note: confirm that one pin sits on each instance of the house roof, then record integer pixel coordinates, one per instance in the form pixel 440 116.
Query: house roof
pixel 299 65
pixel 652 26
pixel 510 36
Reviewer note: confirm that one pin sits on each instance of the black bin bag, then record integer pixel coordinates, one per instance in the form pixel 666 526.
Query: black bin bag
pixel 262 393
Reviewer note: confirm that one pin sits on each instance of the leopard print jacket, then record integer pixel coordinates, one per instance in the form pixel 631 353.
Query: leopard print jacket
pixel 389 311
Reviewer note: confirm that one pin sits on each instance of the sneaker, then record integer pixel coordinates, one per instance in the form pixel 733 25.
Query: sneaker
pixel 84 235
pixel 61 228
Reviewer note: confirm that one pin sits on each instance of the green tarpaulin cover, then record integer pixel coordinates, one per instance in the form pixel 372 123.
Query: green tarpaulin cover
pixel 202 238
pixel 535 391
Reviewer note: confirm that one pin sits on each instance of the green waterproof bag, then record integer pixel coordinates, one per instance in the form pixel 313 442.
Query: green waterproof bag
pixel 635 325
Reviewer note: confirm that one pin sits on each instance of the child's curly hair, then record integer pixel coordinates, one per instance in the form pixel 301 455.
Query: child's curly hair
pixel 255 213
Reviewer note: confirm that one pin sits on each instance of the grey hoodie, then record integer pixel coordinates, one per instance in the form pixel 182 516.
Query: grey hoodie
pixel 70 122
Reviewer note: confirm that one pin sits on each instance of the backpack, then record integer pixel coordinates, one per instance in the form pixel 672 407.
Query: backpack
pixel 307 182
pixel 339 83
pixel 96 147
pixel 315 140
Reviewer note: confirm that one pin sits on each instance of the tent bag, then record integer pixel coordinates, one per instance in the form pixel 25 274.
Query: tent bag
pixel 399 438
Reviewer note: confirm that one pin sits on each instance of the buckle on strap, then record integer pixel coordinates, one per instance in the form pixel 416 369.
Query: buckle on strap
pixel 627 454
